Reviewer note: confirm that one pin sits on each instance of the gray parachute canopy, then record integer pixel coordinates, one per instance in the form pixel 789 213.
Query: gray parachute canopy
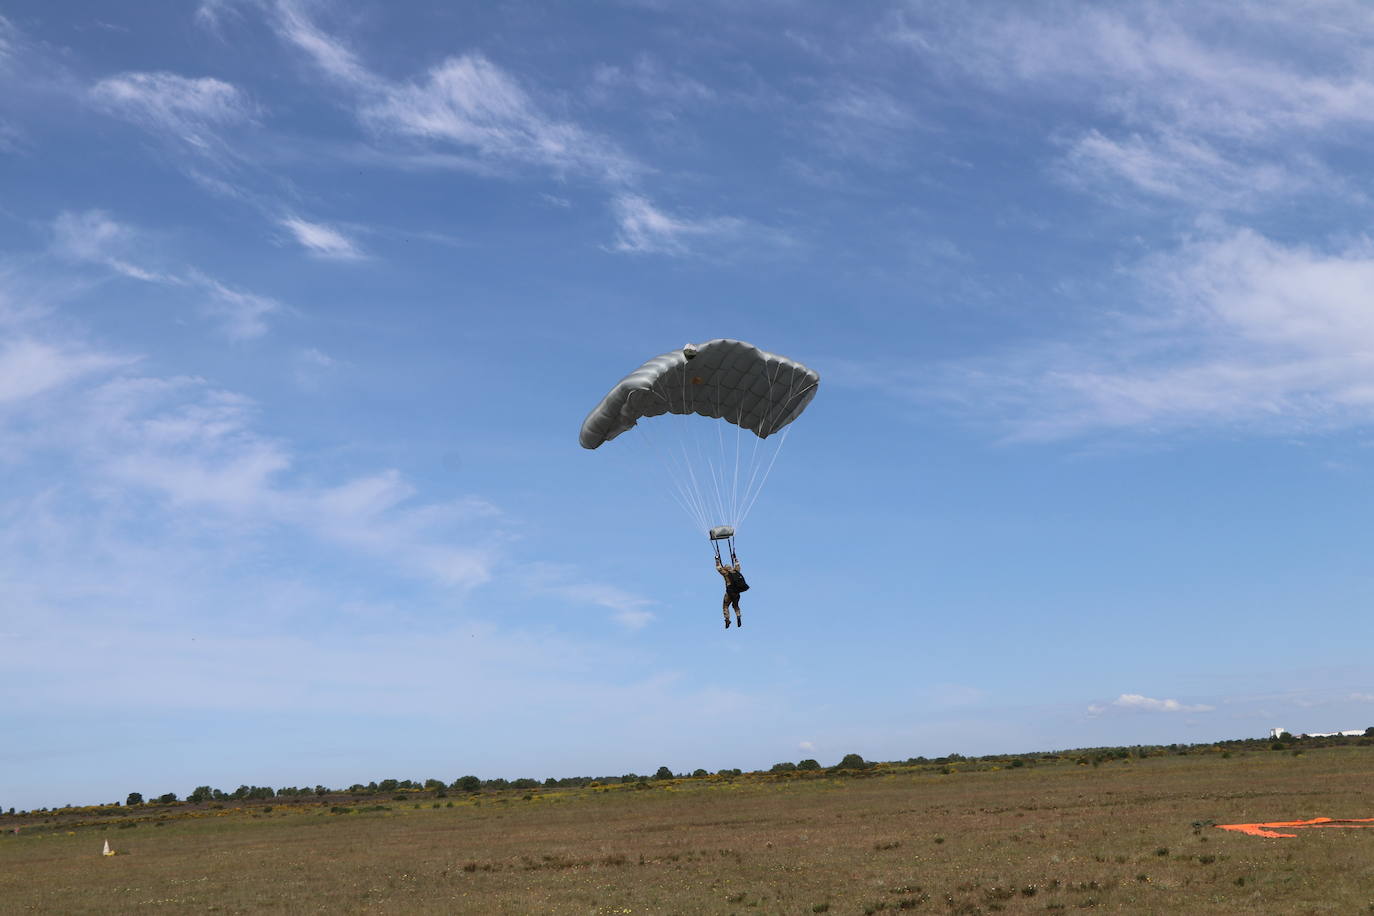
pixel 726 379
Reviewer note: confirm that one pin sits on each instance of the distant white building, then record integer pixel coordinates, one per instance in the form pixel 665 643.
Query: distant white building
pixel 1348 733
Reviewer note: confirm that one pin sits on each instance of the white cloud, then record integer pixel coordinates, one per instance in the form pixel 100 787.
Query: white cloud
pixel 241 314
pixel 211 14
pixel 806 745
pixel 187 108
pixel 1204 105
pixel 1185 169
pixel 1236 329
pixel 31 367
pixel 631 610
pixel 645 229
pixel 95 237
pixel 312 366
pixel 330 54
pixel 864 123
pixel 195 452
pixel 466 100
pixel 634 620
pixel 649 77
pixel 1134 702
pixel 8 35
pixel 1199 66
pixel 322 240
pixel 471 102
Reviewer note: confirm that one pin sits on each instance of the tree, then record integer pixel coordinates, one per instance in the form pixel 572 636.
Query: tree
pixel 783 768
pixel 663 773
pixel 468 784
pixel 852 762
pixel 698 773
pixel 808 764
pixel 200 794
pixel 167 798
pixel 135 798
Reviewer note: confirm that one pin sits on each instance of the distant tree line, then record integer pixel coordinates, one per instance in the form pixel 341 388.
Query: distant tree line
pixel 851 764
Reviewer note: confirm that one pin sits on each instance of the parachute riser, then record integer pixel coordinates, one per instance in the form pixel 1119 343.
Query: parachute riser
pixel 727 534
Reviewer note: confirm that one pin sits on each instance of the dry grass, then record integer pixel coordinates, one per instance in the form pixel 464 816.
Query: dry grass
pixel 1123 837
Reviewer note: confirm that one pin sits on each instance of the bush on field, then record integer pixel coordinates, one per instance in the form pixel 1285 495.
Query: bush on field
pixel 783 768
pixel 852 762
pixel 808 764
pixel 663 773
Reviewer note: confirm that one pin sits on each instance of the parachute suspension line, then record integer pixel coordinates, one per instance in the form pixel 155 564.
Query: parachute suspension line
pixel 782 440
pixel 668 461
pixel 729 507
pixel 762 433
pixel 707 465
pixel 734 488
pixel 719 466
pixel 701 496
pixel 703 482
pixel 680 470
pixel 778 413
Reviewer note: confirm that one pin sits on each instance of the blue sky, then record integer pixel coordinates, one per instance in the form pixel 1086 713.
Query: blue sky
pixel 302 305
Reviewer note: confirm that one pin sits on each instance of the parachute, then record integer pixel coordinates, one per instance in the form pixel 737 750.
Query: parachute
pixel 715 481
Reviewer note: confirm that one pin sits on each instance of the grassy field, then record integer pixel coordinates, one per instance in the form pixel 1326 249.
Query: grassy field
pixel 1130 836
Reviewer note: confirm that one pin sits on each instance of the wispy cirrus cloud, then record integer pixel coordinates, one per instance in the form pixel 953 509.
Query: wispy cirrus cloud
pixel 95 237
pixel 1195 99
pixel 189 109
pixel 630 611
pixel 1234 329
pixel 465 101
pixel 30 367
pixel 469 104
pixel 322 240
pixel 650 77
pixel 644 228
pixel 1134 702
pixel 1198 66
pixel 1188 170
pixel 195 452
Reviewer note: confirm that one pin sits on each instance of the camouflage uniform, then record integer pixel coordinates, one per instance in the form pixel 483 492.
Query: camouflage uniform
pixel 731 596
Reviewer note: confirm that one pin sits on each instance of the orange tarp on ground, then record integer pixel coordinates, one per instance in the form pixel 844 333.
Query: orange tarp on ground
pixel 1265 829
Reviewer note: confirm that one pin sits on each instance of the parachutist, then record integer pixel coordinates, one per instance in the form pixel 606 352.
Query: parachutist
pixel 734 585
